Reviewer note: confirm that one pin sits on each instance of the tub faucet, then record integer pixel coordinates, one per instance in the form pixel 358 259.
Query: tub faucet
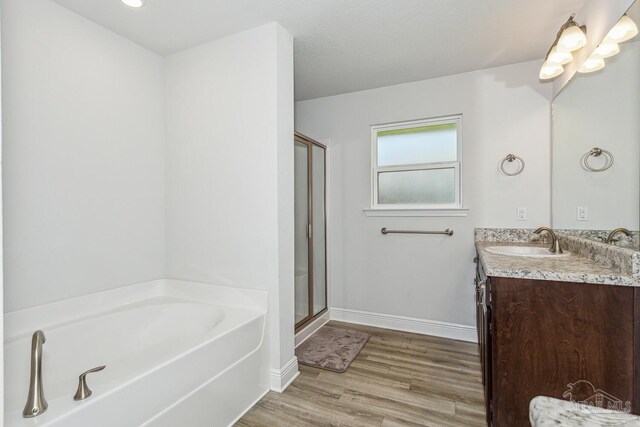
pixel 611 235
pixel 83 389
pixel 36 403
pixel 555 242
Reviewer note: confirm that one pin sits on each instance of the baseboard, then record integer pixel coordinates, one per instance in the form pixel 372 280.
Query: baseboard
pixel 248 408
pixel 311 328
pixel 280 379
pixel 406 324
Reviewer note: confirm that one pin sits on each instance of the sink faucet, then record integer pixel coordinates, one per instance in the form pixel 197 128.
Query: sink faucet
pixel 36 403
pixel 616 231
pixel 555 242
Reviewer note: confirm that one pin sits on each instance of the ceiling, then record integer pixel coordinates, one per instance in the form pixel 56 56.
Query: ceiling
pixel 349 45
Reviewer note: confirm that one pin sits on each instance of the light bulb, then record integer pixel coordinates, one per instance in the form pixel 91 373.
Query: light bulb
pixel 624 30
pixel 572 38
pixel 549 71
pixel 606 50
pixel 133 3
pixel 559 57
pixel 591 64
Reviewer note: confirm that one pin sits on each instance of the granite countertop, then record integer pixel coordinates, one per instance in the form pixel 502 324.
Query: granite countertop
pixel 572 268
pixel 547 411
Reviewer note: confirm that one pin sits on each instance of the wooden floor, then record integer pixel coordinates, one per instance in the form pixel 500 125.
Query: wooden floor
pixel 398 379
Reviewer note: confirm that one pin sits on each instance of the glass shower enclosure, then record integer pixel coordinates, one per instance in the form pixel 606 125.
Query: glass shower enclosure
pixel 310 230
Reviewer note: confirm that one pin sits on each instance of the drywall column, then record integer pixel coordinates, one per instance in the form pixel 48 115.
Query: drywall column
pixel 229 132
pixel 288 368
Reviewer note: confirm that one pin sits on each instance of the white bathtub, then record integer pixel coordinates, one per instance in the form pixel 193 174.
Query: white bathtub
pixel 177 353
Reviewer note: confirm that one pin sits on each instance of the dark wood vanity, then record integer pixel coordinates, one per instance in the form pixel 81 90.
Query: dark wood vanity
pixel 537 337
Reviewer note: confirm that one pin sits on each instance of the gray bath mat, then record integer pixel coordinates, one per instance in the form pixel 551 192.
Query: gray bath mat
pixel 331 348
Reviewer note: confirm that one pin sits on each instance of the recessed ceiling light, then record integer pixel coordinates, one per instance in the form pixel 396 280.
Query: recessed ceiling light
pixel 133 3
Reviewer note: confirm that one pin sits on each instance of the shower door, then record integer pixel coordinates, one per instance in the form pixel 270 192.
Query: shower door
pixel 310 230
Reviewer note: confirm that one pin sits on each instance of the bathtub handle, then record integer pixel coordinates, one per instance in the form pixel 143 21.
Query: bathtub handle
pixel 83 389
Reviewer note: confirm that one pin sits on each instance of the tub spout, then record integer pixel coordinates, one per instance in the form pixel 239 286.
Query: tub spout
pixel 36 403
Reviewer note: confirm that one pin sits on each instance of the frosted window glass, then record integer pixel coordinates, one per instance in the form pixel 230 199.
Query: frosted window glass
pixel 426 144
pixel 428 186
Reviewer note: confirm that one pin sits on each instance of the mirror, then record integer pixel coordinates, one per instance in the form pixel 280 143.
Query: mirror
pixel 596 191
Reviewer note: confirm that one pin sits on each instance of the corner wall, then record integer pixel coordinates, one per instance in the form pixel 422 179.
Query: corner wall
pixel 111 151
pixel 429 279
pixel 83 147
pixel 229 130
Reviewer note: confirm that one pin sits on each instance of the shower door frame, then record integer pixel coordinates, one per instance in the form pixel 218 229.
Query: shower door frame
pixel 303 139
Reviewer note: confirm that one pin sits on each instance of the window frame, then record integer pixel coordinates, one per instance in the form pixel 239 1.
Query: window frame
pixel 456 165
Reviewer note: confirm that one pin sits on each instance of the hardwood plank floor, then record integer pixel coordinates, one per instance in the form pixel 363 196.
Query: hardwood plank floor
pixel 398 379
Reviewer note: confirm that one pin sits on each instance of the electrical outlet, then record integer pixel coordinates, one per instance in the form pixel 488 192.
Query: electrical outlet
pixel 582 213
pixel 522 214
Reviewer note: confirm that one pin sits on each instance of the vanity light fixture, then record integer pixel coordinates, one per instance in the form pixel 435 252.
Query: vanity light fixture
pixel 606 50
pixel 624 30
pixel 133 3
pixel 549 71
pixel 591 65
pixel 559 57
pixel 570 37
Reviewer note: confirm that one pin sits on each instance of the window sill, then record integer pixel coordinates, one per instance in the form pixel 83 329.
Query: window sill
pixel 401 212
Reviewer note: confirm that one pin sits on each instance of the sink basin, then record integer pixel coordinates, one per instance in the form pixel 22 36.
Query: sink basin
pixel 529 251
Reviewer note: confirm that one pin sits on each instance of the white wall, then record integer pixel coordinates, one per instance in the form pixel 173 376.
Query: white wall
pixel 83 143
pixel 104 141
pixel 1 256
pixel 505 110
pixel 599 110
pixel 229 129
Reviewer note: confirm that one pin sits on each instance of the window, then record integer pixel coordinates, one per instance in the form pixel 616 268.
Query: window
pixel 416 165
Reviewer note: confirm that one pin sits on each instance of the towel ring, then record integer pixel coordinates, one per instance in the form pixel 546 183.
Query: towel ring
pixel 596 152
pixel 511 158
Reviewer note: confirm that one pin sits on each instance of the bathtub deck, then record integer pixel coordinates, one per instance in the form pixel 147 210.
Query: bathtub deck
pixel 399 379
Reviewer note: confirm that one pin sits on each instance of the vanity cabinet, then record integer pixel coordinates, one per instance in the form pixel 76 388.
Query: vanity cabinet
pixel 572 341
